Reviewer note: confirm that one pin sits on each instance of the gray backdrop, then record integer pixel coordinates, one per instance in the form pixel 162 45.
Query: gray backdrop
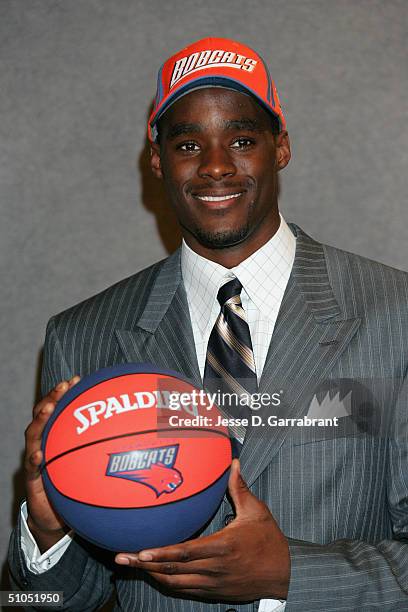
pixel 79 208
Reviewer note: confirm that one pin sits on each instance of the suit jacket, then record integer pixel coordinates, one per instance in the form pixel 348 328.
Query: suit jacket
pixel 341 498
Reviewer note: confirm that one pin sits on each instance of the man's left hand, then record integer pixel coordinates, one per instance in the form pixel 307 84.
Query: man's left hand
pixel 247 560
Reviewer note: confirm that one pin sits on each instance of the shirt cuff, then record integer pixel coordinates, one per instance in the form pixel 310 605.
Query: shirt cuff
pixel 36 562
pixel 271 605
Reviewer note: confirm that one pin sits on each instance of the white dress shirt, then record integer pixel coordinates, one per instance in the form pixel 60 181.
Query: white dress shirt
pixel 36 562
pixel 264 276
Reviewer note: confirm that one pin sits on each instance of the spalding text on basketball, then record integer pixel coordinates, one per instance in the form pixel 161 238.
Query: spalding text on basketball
pixel 92 413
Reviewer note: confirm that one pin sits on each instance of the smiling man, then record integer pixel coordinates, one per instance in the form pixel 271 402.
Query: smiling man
pixel 316 518
pixel 219 158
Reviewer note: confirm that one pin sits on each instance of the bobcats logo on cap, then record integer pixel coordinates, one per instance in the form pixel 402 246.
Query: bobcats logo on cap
pixel 152 467
pixel 210 59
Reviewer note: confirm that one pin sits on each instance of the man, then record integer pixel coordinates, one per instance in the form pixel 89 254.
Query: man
pixel 324 522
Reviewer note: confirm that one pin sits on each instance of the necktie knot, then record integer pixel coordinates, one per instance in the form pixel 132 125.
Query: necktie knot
pixel 229 290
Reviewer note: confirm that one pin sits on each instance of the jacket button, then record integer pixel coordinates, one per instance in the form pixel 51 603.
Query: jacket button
pixel 227 520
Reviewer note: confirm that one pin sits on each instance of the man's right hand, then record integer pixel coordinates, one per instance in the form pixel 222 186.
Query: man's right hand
pixel 45 525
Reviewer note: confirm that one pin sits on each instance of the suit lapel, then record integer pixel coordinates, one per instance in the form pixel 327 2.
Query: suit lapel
pixel 163 335
pixel 309 336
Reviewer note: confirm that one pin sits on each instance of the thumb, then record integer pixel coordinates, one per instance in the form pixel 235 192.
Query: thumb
pixel 244 501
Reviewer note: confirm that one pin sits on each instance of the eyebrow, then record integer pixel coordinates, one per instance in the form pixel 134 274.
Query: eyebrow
pixel 178 129
pixel 251 125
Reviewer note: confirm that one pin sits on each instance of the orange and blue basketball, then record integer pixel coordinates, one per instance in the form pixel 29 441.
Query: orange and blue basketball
pixel 131 463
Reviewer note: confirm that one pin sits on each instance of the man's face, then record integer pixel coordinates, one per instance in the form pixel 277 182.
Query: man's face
pixel 219 160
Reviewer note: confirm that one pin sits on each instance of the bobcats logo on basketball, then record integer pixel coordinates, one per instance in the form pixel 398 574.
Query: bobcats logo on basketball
pixel 152 467
pixel 210 59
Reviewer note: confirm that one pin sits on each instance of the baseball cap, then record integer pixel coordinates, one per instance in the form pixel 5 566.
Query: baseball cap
pixel 214 62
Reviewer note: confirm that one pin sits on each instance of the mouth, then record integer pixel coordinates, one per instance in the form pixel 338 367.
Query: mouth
pixel 218 198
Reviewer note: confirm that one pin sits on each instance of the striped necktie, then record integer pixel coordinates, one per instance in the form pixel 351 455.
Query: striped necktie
pixel 230 365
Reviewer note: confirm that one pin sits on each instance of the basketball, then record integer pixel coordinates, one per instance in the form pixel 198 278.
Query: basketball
pixel 134 457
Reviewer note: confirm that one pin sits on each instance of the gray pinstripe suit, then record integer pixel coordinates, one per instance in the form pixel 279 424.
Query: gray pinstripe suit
pixel 342 500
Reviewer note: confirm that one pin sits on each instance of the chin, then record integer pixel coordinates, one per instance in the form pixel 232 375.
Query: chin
pixel 221 239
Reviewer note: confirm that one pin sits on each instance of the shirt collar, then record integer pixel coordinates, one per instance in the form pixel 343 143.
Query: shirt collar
pixel 264 276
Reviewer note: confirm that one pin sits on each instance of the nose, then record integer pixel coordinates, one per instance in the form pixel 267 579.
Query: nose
pixel 217 164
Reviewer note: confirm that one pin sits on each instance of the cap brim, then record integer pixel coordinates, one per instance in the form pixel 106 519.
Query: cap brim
pixel 214 81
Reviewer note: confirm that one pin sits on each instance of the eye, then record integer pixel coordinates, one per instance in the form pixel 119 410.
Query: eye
pixel 242 143
pixel 188 147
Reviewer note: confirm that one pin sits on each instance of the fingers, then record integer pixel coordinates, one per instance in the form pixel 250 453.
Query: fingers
pixel 41 414
pixel 206 567
pixel 55 394
pixel 247 505
pixel 235 472
pixel 208 547
pixel 237 486
pixel 188 583
pixel 201 574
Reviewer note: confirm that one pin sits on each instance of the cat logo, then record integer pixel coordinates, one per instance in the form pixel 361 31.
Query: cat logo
pixel 152 467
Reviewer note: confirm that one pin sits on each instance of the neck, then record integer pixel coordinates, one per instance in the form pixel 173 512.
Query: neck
pixel 232 255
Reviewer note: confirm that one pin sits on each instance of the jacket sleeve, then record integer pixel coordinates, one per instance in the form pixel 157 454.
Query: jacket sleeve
pixel 85 572
pixel 352 574
pixel 82 574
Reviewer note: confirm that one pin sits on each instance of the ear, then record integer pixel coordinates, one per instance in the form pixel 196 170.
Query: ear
pixel 283 153
pixel 155 160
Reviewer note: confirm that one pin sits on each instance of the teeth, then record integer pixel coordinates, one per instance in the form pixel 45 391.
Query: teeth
pixel 218 198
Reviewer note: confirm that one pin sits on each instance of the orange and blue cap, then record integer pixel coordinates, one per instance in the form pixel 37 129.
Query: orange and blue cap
pixel 214 62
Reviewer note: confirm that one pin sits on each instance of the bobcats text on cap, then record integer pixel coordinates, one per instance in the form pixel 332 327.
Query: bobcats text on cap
pixel 209 59
pixel 214 62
